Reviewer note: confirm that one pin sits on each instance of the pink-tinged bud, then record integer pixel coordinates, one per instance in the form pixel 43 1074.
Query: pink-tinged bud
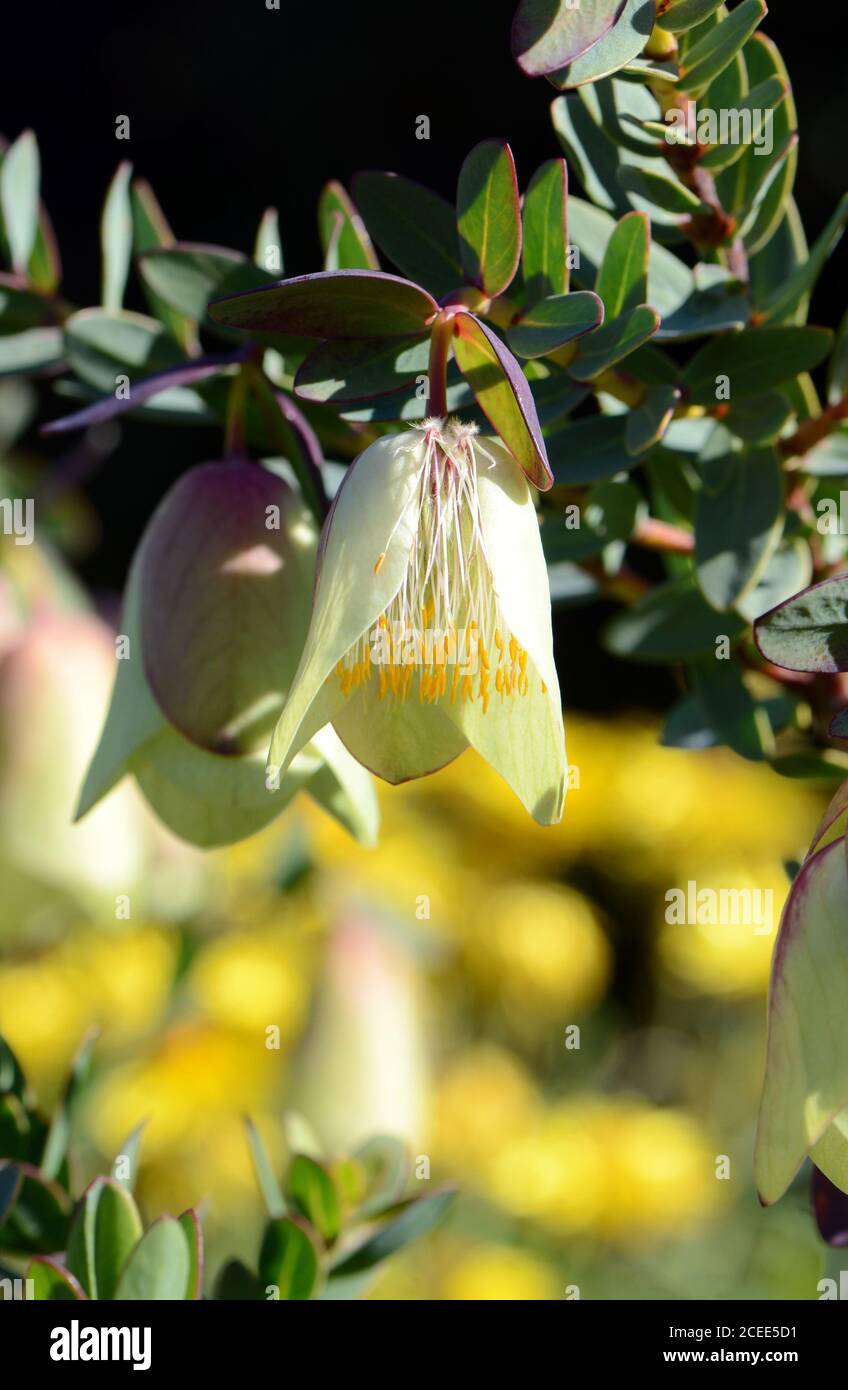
pixel 362 1070
pixel 54 687
pixel 225 578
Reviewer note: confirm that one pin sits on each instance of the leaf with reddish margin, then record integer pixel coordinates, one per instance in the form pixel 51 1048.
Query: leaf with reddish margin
pixel 185 375
pixel 38 1222
pixel 190 1222
pixel 834 820
pixel 331 304
pixel 188 274
pixel 359 369
pixel 613 341
pixel 224 603
pixel 52 1283
pixel 549 34
pixel 555 321
pixel 413 226
pixel 544 254
pixel 806 1082
pixel 503 394
pixel 808 632
pixel 344 239
pixel 489 216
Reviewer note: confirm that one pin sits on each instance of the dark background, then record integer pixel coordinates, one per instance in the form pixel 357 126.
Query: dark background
pixel 234 107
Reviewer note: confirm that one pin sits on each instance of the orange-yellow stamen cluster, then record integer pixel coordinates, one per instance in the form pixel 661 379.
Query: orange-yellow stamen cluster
pixel 443 636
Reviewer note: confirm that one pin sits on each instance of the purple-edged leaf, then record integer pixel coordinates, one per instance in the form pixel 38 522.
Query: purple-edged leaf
pixel 190 1222
pixel 830 1208
pixel 224 592
pixel 304 437
pixel 550 34
pixel 619 46
pixel 806 1082
pixel 839 725
pixel 555 321
pixel 489 216
pixel 359 369
pixel 187 275
pixel 38 1221
pixel 413 226
pixel 158 1268
pixel 140 391
pixel 52 1283
pixel 331 304
pixel 503 394
pixel 344 238
pixel 810 631
pixel 613 341
pixel 544 252
pixel 10 1185
pixel 834 821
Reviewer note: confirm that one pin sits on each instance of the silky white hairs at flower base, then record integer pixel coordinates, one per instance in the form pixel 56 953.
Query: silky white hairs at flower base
pixel 431 624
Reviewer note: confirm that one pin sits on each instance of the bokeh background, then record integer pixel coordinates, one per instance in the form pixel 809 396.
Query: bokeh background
pixel 508 999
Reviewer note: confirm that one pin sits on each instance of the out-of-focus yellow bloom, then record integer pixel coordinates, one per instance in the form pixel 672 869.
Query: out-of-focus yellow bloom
pixel 659 802
pixel 500 1272
pixel 253 980
pixel 119 979
pixel 540 947
pixel 733 957
pixel 664 1176
pixel 192 1092
pixel 483 1098
pixel 616 1169
pixel 418 871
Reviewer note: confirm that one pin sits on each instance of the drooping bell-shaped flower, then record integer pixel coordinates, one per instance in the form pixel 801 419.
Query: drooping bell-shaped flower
pixel 431 623
pixel 215 615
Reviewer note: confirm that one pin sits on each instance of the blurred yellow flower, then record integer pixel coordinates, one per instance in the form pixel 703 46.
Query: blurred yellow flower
pixel 540 947
pixel 192 1093
pixel 483 1098
pixel 253 980
pixel 500 1272
pixel 119 979
pixel 618 1169
pixel 733 957
pixel 418 871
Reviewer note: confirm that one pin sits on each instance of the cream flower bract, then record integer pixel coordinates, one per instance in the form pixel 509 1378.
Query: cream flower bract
pixel 431 625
